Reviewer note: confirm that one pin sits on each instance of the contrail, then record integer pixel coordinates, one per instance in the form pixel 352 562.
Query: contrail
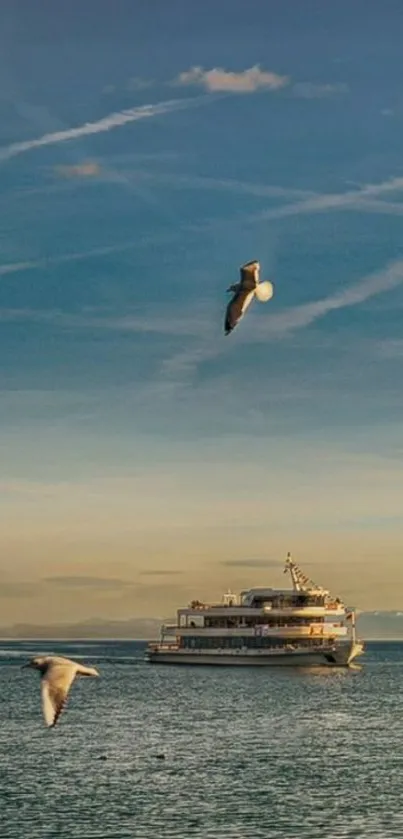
pixel 30 265
pixel 299 317
pixel 107 123
pixel 357 199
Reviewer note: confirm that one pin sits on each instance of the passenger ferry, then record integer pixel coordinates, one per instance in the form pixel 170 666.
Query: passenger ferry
pixel 300 626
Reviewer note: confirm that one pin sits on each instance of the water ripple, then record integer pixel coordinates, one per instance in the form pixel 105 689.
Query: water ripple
pixel 158 753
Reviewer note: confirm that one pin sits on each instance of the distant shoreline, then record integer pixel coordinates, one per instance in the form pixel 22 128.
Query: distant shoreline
pixel 8 639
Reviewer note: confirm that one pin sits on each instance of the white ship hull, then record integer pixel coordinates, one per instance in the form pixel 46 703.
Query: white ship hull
pixel 343 656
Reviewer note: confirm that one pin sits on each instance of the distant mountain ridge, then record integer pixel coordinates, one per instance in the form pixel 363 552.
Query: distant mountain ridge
pixel 135 629
pixel 380 625
pixel 371 626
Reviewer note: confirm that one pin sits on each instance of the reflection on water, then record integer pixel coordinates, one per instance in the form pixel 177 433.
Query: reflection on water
pixel 162 752
pixel 329 672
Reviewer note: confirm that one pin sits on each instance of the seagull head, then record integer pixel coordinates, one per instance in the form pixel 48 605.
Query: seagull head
pixel 37 663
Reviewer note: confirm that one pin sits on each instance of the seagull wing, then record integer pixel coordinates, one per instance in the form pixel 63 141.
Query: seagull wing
pixel 243 296
pixel 86 671
pixel 237 307
pixel 55 686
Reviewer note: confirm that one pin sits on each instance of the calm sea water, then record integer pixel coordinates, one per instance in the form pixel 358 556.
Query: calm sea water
pixel 249 753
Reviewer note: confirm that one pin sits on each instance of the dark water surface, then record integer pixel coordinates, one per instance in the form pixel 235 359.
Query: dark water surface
pixel 249 753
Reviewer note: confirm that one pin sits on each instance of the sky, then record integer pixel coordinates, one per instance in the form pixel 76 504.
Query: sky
pixel 147 150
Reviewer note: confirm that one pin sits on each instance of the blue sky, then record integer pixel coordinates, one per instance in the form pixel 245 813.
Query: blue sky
pixel 146 151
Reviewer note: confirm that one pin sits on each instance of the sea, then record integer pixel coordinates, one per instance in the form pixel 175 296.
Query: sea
pixel 177 752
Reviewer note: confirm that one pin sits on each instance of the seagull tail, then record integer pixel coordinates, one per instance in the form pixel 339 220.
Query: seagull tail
pixel 264 291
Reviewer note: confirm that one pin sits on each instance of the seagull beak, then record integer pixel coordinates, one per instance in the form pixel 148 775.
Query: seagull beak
pixel 24 666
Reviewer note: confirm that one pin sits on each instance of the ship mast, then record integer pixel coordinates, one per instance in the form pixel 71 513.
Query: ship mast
pixel 299 580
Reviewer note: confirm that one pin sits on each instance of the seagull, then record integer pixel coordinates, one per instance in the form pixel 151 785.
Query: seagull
pixel 57 676
pixel 244 292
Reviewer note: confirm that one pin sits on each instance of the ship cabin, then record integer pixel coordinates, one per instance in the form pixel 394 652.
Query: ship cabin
pixel 261 618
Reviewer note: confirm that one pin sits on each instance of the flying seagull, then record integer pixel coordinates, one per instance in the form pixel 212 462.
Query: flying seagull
pixel 57 677
pixel 244 292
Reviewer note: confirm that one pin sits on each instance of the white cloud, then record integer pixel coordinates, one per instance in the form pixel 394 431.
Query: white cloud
pixel 218 79
pixel 310 90
pixel 115 120
pixel 254 78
